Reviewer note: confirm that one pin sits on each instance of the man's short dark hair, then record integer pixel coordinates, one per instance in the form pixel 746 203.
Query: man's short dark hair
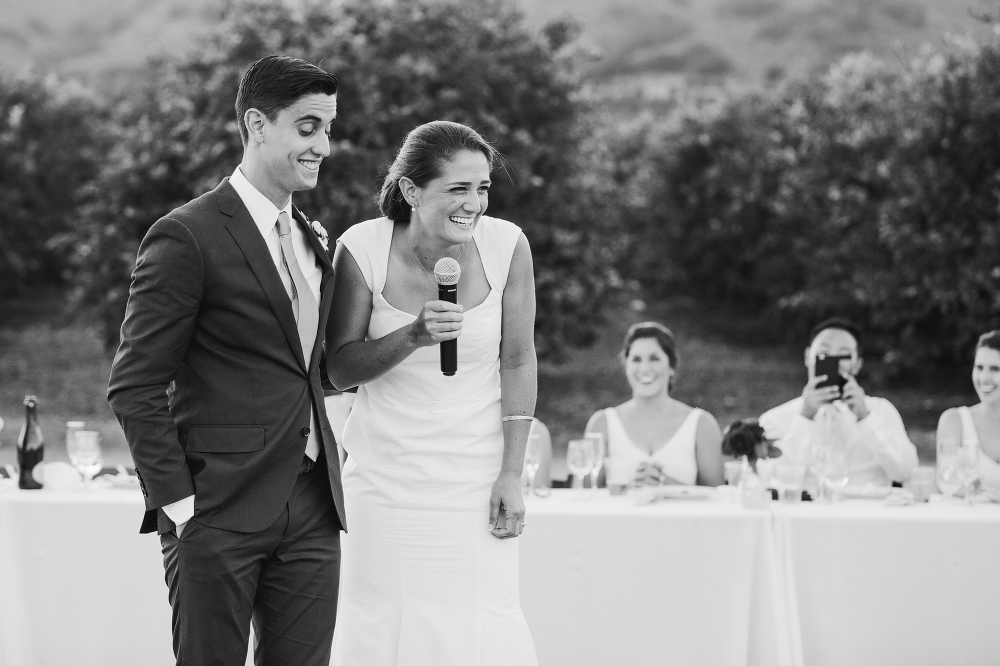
pixel 838 323
pixel 275 83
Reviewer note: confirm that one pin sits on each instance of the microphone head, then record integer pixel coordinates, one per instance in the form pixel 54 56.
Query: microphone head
pixel 447 271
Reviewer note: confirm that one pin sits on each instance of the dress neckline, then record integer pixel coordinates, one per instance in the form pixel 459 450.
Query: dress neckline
pixel 413 316
pixel 662 447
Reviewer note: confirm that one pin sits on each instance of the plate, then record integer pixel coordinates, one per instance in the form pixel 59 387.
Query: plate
pixel 683 492
pixel 650 494
pixel 121 480
pixel 867 491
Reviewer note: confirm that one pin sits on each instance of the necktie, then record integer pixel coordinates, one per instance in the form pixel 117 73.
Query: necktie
pixel 306 312
pixel 303 302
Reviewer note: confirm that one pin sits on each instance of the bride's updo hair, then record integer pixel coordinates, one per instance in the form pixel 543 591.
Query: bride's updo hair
pixel 421 159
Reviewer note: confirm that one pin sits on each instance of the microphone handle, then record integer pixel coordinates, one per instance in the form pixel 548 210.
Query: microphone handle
pixel 449 348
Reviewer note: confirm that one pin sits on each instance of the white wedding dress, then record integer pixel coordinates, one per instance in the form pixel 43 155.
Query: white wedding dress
pixel 423 582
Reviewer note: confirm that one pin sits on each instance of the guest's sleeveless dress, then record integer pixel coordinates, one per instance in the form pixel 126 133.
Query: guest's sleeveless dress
pixel 676 458
pixel 989 469
pixel 423 582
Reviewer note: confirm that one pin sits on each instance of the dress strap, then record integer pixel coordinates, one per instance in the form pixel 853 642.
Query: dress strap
pixel 496 240
pixel 969 434
pixel 617 437
pixel 368 242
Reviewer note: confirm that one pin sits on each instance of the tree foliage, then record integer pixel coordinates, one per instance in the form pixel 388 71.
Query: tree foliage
pixel 400 64
pixel 868 191
pixel 51 141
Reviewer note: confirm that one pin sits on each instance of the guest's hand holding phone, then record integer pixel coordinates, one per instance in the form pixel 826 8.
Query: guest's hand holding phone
pixel 854 397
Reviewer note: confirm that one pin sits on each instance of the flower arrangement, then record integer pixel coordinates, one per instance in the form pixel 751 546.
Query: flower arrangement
pixel 745 437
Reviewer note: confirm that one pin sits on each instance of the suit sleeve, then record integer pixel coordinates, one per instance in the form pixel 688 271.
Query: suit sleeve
pixel 163 304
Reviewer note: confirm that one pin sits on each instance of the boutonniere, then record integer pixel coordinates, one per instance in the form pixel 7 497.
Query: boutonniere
pixel 321 233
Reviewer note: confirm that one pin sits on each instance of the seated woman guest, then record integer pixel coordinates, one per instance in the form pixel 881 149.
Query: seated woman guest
pixel 980 423
pixel 669 442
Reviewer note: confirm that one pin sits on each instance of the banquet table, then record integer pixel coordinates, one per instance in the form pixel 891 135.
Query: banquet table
pixel 875 584
pixel 603 581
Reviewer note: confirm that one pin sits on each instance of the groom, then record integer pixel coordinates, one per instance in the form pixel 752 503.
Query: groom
pixel 229 298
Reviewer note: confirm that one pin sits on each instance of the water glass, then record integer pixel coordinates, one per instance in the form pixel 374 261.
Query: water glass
pixel 732 470
pixel 580 458
pixel 532 460
pixel 599 453
pixel 968 467
pixel 947 467
pixel 85 453
pixel 71 429
pixel 922 483
pixel 619 473
pixel 790 478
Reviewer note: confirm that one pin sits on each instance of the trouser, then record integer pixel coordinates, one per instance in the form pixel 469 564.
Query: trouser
pixel 285 578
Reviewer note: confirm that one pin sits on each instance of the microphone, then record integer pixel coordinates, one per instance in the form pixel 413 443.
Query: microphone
pixel 446 272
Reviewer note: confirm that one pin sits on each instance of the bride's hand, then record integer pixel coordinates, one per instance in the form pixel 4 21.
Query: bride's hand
pixel 437 321
pixel 506 507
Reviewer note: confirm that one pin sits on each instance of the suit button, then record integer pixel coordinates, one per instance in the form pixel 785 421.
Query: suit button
pixel 305 431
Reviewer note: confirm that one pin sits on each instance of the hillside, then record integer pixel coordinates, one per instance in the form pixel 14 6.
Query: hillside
pixel 741 42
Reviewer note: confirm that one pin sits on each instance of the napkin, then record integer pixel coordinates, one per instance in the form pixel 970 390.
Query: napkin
pixel 57 476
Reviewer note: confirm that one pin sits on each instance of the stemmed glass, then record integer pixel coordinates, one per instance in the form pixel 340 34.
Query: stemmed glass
pixel 580 455
pixel 836 476
pixel 532 458
pixel 599 452
pixel 84 451
pixel 968 467
pixel 947 468
pixel 820 464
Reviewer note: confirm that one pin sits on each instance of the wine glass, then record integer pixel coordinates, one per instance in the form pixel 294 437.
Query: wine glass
pixel 968 467
pixel 820 462
pixel 580 456
pixel 947 468
pixel 599 452
pixel 532 459
pixel 836 477
pixel 85 453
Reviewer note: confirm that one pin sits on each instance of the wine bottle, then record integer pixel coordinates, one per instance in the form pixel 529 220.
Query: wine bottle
pixel 30 445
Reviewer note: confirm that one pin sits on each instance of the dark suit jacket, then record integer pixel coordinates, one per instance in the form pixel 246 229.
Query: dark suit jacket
pixel 207 309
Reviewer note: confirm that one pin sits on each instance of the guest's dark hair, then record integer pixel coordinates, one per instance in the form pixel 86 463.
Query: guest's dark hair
pixel 652 329
pixel 275 82
pixel 421 158
pixel 990 340
pixel 838 323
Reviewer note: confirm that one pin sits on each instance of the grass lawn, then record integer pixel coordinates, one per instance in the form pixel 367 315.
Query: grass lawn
pixel 64 364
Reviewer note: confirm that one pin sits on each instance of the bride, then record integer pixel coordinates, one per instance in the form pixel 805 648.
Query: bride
pixel 432 482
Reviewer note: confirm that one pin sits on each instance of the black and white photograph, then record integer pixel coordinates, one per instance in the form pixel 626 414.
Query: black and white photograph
pixel 499 332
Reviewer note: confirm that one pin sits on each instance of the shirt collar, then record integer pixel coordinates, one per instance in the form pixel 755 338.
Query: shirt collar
pixel 263 212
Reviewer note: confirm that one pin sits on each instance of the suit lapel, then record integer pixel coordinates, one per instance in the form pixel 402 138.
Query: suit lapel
pixel 247 236
pixel 325 293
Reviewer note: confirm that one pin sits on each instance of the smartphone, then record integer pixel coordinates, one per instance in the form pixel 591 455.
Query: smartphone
pixel 830 366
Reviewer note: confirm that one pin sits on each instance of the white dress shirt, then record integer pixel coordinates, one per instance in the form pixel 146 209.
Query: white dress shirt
pixel 879 450
pixel 265 216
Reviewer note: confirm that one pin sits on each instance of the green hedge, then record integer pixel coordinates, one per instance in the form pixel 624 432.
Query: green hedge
pixel 870 191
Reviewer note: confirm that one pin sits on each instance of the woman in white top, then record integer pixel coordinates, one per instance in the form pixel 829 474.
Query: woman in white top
pixel 668 441
pixel 432 481
pixel 980 423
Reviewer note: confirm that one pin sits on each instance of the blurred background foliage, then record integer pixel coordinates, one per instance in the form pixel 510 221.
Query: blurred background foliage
pixel 865 189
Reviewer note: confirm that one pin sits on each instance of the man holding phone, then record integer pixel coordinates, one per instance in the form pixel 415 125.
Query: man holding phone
pixel 879 450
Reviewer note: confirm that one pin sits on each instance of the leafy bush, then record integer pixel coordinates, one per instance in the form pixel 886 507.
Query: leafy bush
pixel 50 143
pixel 400 64
pixel 868 191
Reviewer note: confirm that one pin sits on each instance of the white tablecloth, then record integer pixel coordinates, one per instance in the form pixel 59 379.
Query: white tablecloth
pixel 602 582
pixel 80 586
pixel 893 585
pixel 678 582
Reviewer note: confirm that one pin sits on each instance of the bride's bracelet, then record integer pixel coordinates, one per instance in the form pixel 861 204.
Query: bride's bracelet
pixel 517 417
